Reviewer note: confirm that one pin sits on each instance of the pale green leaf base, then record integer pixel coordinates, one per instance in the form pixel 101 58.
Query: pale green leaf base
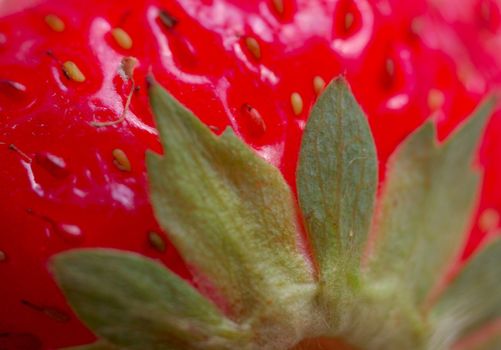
pixel 234 220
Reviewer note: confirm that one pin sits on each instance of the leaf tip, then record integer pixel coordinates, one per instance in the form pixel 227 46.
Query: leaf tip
pixel 62 266
pixel 152 87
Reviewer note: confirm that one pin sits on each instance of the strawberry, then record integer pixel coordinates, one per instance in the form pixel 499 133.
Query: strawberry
pixel 67 76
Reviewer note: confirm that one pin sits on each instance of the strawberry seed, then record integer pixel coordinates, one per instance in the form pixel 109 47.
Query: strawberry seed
pixel 297 103
pixel 122 38
pixel 120 160
pixel 72 71
pixel 55 23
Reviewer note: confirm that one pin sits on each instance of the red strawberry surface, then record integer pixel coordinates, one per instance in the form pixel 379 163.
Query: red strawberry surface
pixel 73 174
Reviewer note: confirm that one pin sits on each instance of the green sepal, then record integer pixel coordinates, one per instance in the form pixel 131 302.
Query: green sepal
pixel 136 303
pixel 472 300
pixel 425 207
pixel 232 217
pixel 336 181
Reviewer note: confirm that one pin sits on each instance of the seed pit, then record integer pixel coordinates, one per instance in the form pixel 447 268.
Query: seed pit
pixel 253 46
pixel 278 6
pixel 167 19
pixel 53 313
pixel 14 85
pixel 389 74
pixel 252 121
pixel 347 18
pixel 156 241
pixel 54 165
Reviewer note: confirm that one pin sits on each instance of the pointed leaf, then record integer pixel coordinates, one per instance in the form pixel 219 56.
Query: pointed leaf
pixel 472 300
pixel 425 207
pixel 337 178
pixel 232 216
pixel 136 303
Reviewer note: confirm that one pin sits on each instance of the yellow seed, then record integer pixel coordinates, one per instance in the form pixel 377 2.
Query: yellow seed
pixel 122 38
pixel 489 220
pixel 318 84
pixel 297 103
pixel 120 160
pixel 73 72
pixel 279 6
pixel 435 99
pixel 55 23
pixel 253 47
pixel 348 20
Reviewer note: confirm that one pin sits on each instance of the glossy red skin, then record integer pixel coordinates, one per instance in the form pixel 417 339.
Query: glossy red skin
pixel 204 63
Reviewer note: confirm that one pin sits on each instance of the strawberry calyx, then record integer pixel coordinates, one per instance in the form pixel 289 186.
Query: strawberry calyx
pixel 360 277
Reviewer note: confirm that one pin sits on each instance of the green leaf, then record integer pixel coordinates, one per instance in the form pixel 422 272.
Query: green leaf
pixel 232 217
pixel 425 207
pixel 472 300
pixel 136 303
pixel 336 180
